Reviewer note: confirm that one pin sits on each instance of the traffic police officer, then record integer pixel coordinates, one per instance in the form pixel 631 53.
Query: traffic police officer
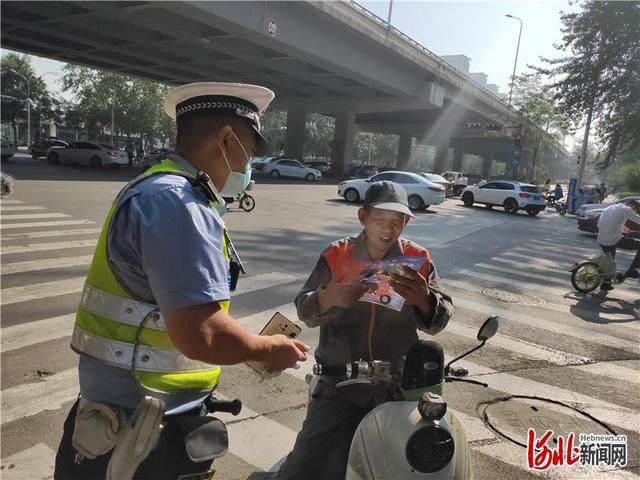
pixel 153 319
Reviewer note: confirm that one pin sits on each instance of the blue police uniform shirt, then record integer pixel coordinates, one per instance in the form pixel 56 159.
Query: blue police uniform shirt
pixel 165 243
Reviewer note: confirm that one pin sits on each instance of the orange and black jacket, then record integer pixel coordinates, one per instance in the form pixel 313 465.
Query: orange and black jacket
pixel 364 330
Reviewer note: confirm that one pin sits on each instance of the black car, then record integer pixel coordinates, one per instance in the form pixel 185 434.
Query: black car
pixel 41 147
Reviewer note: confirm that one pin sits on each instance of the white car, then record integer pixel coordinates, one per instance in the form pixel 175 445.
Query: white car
pixel 513 196
pixel 288 167
pixel 258 163
pixel 440 180
pixel 86 153
pixel 421 192
pixel 586 208
pixel 8 150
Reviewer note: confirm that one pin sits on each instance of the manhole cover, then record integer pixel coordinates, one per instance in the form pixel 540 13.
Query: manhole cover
pixel 512 417
pixel 510 297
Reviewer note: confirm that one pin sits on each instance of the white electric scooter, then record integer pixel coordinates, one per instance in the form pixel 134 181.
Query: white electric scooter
pixel 410 434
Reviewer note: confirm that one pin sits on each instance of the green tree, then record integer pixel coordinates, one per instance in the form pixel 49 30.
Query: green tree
pixel 545 122
pixel 14 93
pixel 600 77
pixel 318 135
pixel 135 105
pixel 274 127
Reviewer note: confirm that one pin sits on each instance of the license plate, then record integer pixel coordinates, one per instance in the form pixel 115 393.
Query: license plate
pixel 536 197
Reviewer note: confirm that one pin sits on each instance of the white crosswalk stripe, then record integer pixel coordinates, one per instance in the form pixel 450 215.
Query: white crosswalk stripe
pixel 74 285
pixel 57 223
pixel 539 321
pixel 520 270
pixel 548 289
pixel 42 290
pixel 33 216
pixel 43 247
pixel 33 333
pixel 20 208
pixel 607 369
pixel 35 463
pixel 530 266
pixel 10 202
pixel 51 233
pixel 47 264
pixel 521 347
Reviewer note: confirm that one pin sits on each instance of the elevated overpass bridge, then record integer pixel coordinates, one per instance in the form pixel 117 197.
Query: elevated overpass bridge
pixel 334 58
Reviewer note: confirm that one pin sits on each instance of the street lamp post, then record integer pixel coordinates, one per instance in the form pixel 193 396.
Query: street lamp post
pixel 28 105
pixel 515 63
pixel 40 133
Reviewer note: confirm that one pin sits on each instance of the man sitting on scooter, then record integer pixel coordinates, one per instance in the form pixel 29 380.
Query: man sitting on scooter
pixel 351 330
pixel 611 226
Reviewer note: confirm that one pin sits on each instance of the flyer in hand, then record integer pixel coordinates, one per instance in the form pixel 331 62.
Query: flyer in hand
pixel 380 273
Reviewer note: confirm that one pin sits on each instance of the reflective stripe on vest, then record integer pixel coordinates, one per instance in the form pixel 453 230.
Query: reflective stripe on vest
pixel 122 331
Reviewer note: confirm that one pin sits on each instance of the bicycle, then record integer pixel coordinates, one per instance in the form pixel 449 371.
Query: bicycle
pixel 246 201
pixel 587 275
pixel 561 208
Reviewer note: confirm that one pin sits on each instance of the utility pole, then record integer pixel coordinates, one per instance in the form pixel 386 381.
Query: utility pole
pixel 113 118
pixel 515 63
pixel 585 144
pixel 28 105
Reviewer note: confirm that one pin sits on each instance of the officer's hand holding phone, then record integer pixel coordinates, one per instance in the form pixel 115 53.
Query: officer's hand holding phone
pixel 284 353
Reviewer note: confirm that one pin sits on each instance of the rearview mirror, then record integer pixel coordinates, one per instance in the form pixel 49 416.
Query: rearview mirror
pixel 488 328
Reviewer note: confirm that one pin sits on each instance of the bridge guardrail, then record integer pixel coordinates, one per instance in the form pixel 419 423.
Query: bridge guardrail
pixel 368 13
pixel 441 62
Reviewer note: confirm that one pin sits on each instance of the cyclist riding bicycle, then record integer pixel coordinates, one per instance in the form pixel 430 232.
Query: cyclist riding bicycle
pixel 611 229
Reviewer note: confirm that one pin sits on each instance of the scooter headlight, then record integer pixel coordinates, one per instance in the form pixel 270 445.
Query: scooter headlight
pixel 430 449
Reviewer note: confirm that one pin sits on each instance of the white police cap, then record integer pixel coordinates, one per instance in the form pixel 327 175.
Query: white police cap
pixel 244 100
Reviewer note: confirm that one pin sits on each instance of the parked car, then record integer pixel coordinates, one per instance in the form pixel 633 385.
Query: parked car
pixel 587 207
pixel 258 163
pixel 41 147
pixel 361 171
pixel 155 156
pixel 324 167
pixel 86 153
pixel 513 196
pixel 588 222
pixel 288 167
pixel 8 150
pixel 451 176
pixel 440 180
pixel 421 192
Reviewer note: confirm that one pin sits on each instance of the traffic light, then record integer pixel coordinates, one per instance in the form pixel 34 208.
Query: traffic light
pixel 493 126
pixel 517 140
pixel 475 125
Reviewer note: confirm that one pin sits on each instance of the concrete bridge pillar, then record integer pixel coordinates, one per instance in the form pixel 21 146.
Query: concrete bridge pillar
pixel 294 138
pixel 441 160
pixel 404 151
pixel 342 143
pixel 457 160
pixel 487 162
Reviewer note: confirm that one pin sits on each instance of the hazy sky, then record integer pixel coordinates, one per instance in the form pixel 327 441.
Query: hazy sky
pixel 480 30
pixel 477 29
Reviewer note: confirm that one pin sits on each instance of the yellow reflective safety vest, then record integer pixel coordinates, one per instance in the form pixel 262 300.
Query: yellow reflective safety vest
pixel 122 331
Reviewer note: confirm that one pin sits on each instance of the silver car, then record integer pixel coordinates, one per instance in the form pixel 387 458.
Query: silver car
pixel 87 153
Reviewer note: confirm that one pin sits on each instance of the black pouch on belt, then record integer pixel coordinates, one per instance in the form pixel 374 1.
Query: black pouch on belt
pixel 205 438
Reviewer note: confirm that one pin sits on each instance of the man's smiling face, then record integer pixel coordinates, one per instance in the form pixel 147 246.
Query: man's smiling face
pixel 383 227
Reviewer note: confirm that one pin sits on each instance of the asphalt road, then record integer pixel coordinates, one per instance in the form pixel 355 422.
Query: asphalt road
pixel 581 350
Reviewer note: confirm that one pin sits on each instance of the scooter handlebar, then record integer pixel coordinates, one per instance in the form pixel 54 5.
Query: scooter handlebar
pixel 328 369
pixel 234 407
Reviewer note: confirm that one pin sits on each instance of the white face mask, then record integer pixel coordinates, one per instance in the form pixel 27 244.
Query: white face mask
pixel 236 182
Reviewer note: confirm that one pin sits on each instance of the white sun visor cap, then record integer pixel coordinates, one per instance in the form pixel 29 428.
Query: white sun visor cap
pixel 244 100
